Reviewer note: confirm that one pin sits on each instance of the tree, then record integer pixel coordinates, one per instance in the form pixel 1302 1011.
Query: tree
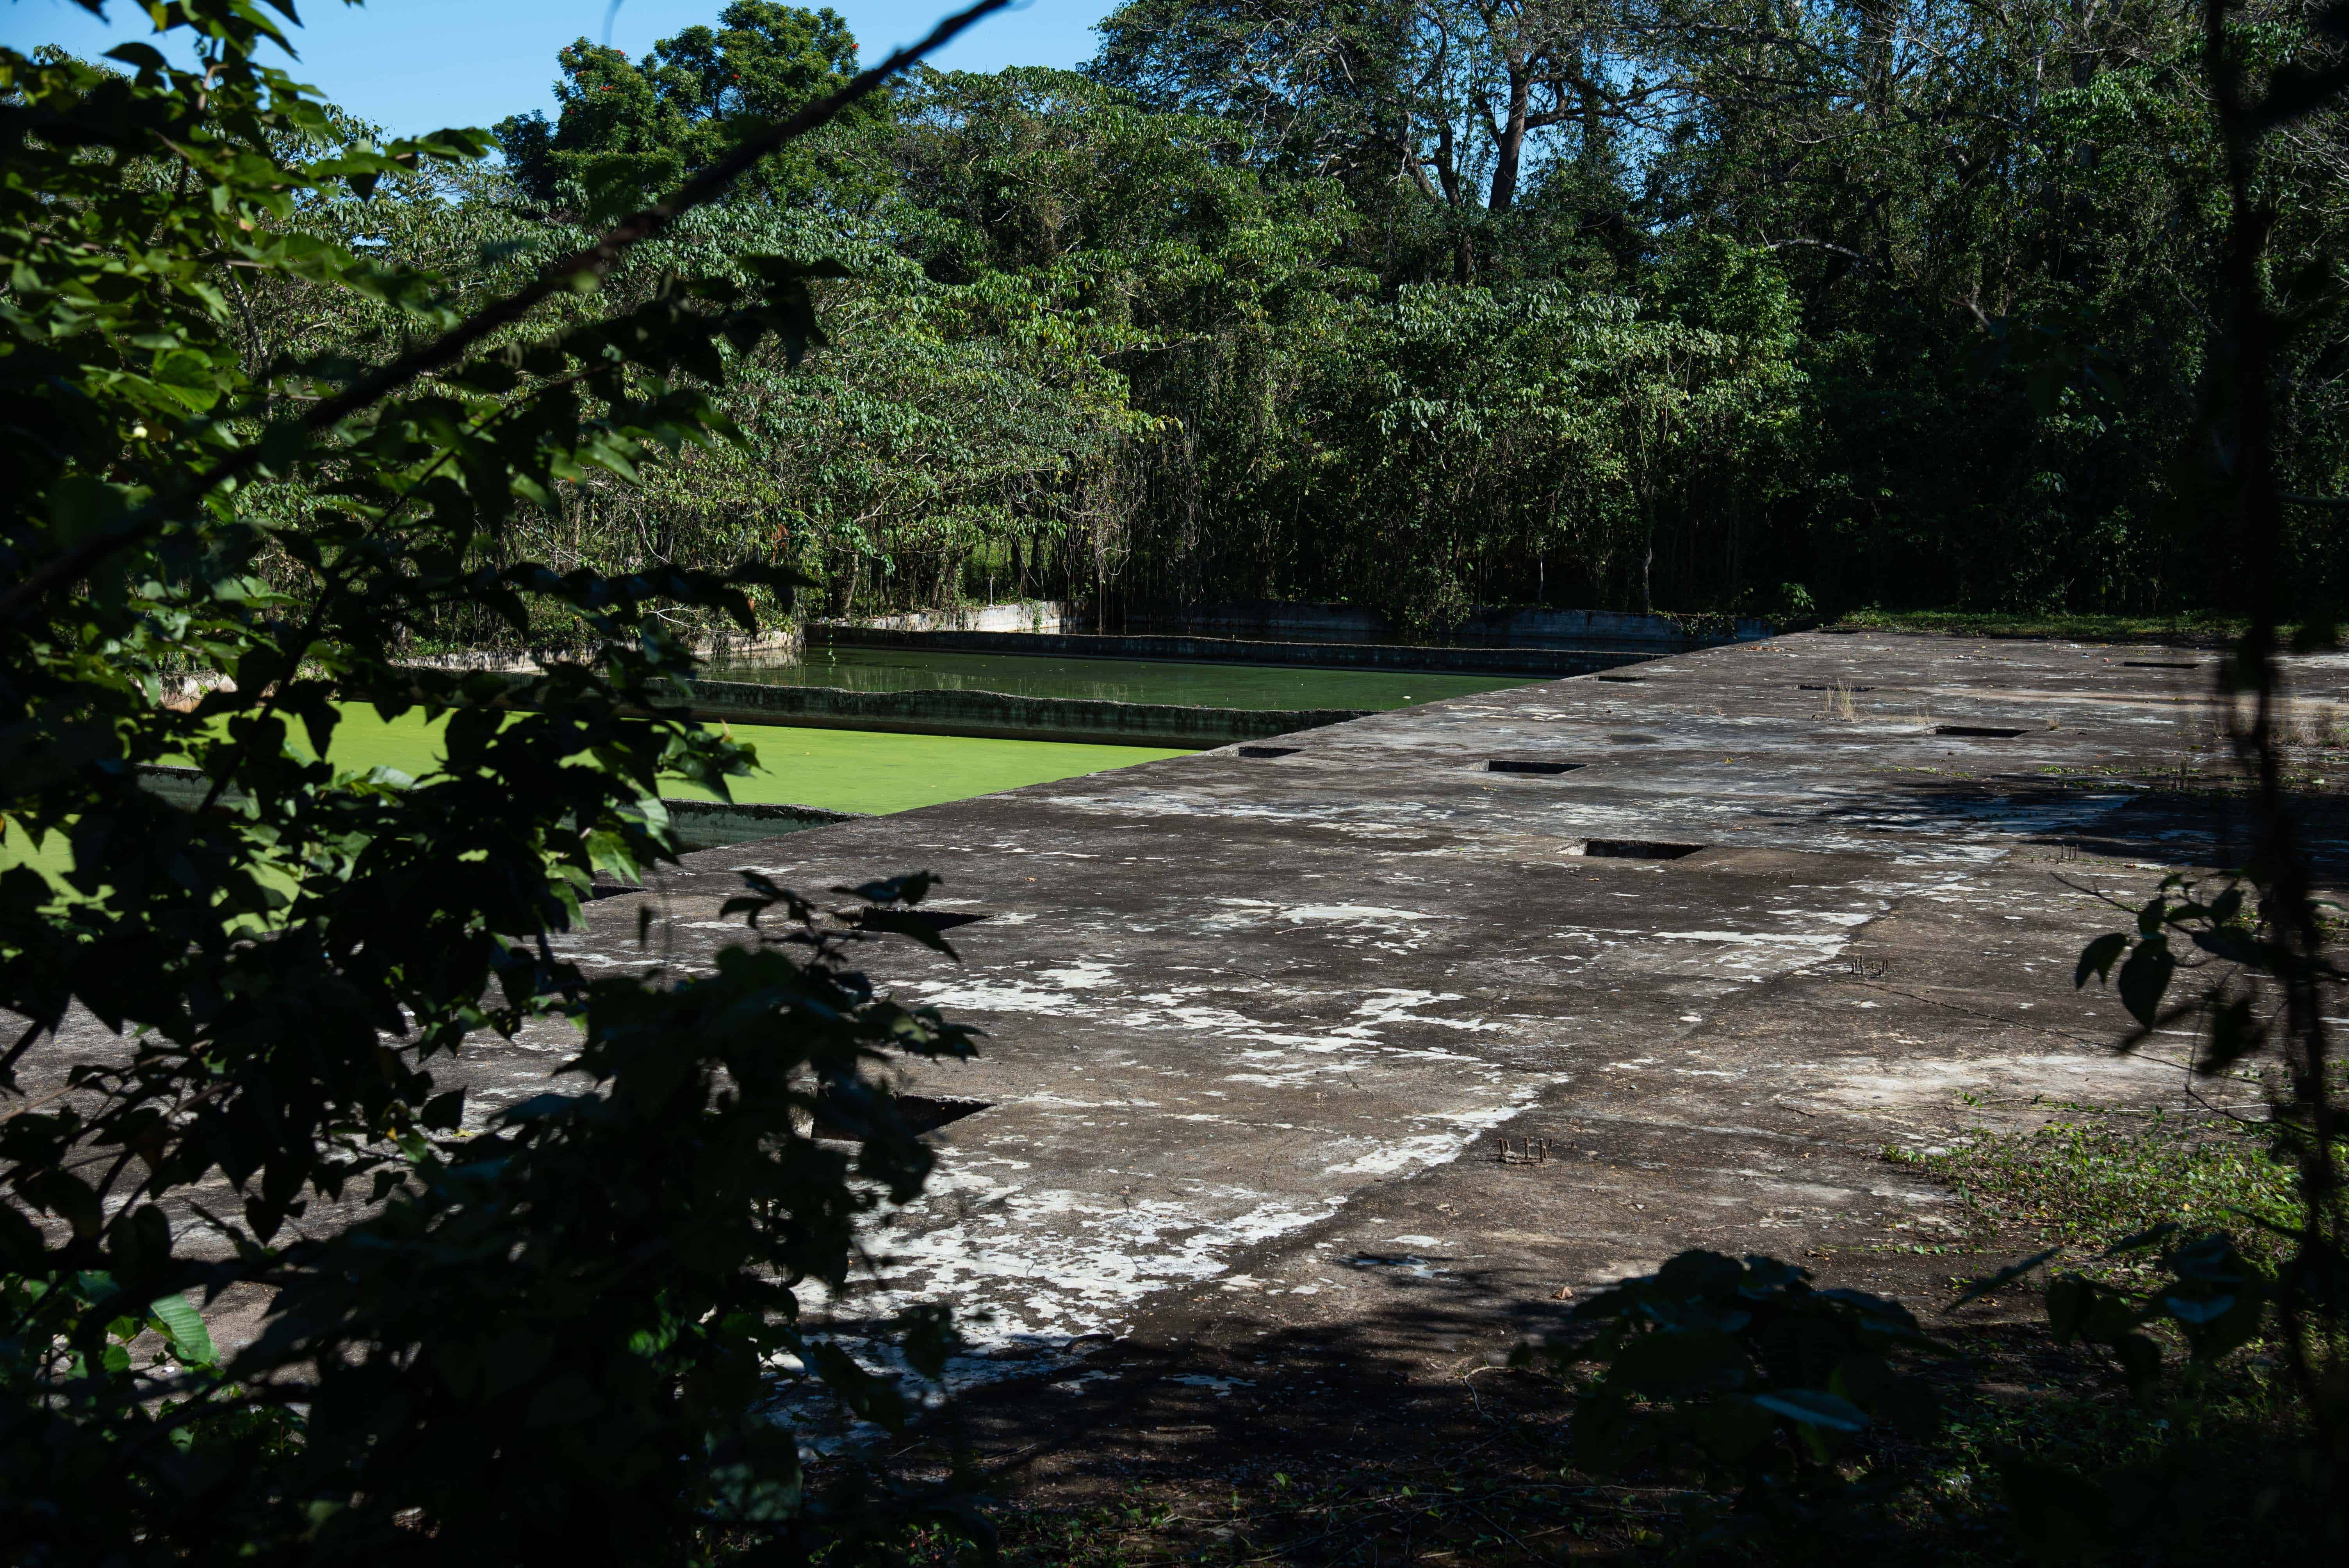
pixel 554 1326
pixel 1450 99
pixel 624 129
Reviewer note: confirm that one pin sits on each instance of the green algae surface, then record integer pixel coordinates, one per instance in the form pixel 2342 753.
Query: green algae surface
pixel 838 770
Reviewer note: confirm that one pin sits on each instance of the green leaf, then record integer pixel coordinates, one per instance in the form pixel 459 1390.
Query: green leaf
pixel 190 376
pixel 183 1325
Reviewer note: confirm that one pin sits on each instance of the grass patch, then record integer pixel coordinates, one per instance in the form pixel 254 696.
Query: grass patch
pixel 2099 1174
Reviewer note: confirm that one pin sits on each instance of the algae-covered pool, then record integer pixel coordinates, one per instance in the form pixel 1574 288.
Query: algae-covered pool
pixel 1190 682
pixel 838 770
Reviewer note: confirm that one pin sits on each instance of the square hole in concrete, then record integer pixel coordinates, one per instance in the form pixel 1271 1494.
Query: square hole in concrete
pixel 1527 765
pixel 1270 750
pixel 1636 849
pixel 1984 731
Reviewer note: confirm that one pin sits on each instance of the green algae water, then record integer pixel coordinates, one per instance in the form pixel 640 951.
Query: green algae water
pixel 838 770
pixel 1194 684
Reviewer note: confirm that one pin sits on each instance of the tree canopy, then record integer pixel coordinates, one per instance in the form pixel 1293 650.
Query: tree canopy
pixel 1955 265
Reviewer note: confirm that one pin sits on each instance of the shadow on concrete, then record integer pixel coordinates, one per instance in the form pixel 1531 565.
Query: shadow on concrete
pixel 2194 828
pixel 1391 1436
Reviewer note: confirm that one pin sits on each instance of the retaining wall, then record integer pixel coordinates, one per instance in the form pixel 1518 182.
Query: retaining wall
pixel 986 714
pixel 1512 628
pixel 1000 715
pixel 1019 616
pixel 1550 663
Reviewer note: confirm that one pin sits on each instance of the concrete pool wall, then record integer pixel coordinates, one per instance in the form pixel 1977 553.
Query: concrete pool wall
pixel 1286 621
pixel 1490 626
pixel 1000 715
pixel 1546 663
pixel 986 714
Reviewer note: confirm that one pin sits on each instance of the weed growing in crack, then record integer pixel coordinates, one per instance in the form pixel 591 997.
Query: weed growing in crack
pixel 2104 1172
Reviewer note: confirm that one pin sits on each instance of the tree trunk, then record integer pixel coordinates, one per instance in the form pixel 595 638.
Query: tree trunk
pixel 1509 146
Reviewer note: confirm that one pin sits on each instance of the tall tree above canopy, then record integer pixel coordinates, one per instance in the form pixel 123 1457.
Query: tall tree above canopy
pixel 625 128
pixel 1421 105
pixel 1313 81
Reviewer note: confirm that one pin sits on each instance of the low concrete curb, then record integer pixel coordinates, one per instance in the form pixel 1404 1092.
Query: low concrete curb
pixel 700 824
pixel 1551 662
pixel 706 824
pixel 1000 715
pixel 994 715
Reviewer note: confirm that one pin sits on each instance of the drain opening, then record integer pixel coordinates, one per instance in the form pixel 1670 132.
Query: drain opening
pixel 1815 686
pixel 920 1112
pixel 1270 750
pixel 1520 765
pixel 1986 731
pixel 1636 849
pixel 1624 680
pixel 2157 665
pixel 607 889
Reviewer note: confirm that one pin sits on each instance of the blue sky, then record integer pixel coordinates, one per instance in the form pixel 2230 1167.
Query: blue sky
pixel 415 65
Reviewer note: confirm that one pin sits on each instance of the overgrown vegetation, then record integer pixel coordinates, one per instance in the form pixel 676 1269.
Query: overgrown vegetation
pixel 2093 1175
pixel 554 1326
pixel 1427 305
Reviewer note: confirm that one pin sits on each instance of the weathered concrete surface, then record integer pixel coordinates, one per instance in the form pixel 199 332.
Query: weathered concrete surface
pixel 1258 1025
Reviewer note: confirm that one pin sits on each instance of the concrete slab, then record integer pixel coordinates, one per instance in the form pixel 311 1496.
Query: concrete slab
pixel 1260 1026
pixel 1263 1031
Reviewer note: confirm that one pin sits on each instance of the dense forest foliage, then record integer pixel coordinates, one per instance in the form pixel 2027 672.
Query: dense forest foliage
pixel 1425 303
